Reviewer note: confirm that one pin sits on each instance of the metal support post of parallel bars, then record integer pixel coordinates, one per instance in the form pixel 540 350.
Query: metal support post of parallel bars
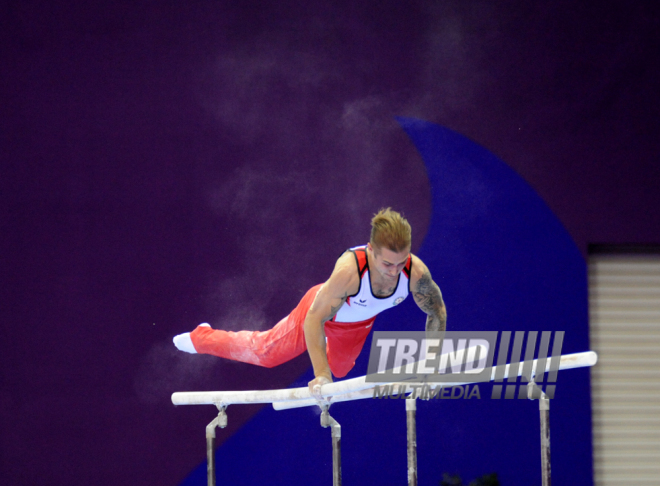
pixel 411 427
pixel 335 429
pixel 219 421
pixel 534 392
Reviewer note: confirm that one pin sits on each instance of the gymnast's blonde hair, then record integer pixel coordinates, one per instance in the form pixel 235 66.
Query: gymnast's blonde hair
pixel 390 230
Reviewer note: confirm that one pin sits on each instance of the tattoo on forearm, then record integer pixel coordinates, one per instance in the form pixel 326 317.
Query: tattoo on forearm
pixel 436 323
pixel 429 298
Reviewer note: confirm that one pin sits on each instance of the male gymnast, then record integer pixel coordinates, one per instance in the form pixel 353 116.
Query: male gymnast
pixel 333 320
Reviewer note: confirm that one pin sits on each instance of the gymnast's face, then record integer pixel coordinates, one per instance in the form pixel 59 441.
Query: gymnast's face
pixel 387 263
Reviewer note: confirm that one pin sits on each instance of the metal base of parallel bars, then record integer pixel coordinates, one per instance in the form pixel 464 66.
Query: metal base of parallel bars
pixel 219 421
pixel 411 427
pixel 535 393
pixel 335 430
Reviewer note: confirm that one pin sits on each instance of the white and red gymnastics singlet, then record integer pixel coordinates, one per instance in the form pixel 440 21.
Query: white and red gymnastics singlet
pixel 345 333
pixel 364 304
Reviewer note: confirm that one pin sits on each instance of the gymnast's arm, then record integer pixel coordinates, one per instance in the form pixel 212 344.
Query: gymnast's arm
pixel 343 282
pixel 428 297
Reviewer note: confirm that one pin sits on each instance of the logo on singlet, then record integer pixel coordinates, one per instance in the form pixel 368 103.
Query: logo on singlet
pixel 361 302
pixel 398 301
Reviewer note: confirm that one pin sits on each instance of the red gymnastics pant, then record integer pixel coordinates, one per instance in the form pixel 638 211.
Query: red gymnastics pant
pixel 286 340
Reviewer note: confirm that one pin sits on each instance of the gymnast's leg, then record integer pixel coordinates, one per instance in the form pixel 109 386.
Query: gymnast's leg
pixel 269 348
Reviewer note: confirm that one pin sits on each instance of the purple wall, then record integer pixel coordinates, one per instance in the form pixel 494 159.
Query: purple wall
pixel 164 165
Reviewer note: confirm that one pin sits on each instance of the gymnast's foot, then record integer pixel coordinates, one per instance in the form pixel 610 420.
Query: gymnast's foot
pixel 184 343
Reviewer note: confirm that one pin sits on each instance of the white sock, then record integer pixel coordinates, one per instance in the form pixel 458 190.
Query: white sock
pixel 184 343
